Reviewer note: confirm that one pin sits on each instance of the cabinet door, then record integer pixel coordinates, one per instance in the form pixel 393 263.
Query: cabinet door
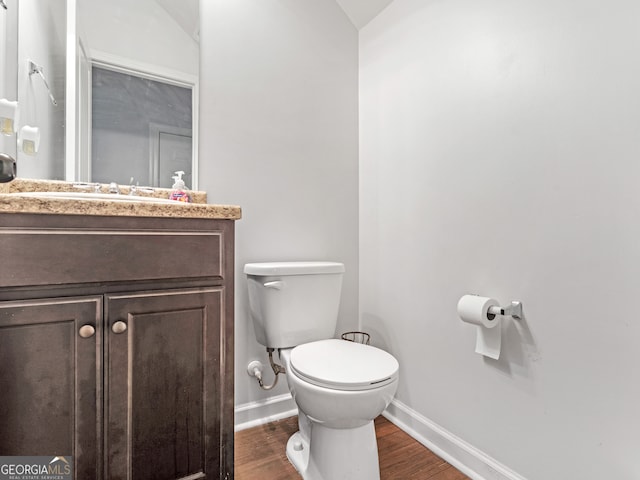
pixel 50 362
pixel 163 384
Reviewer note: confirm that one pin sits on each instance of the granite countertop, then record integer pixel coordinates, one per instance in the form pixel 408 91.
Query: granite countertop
pixel 11 201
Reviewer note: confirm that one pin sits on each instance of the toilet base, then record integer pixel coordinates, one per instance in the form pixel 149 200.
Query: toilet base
pixel 298 453
pixel 335 454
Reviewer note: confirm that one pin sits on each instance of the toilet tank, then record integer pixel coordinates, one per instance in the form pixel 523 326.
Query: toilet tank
pixel 292 303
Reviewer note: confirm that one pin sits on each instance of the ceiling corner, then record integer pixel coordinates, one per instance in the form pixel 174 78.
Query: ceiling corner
pixel 361 12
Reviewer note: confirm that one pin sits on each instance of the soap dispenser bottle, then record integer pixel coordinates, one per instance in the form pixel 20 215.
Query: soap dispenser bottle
pixel 179 192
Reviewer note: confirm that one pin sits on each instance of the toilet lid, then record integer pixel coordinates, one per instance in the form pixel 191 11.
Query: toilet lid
pixel 343 365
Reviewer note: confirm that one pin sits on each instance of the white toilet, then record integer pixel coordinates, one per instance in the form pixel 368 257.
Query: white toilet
pixel 338 386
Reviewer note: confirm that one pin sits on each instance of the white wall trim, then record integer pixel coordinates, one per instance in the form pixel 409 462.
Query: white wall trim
pixel 148 70
pixel 270 409
pixel 466 458
pixel 71 86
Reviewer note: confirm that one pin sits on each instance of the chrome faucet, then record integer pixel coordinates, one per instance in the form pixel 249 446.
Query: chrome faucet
pixel 114 188
pixel 135 189
pixel 87 186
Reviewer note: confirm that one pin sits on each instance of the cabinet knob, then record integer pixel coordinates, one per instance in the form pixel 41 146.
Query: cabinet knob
pixel 86 331
pixel 119 327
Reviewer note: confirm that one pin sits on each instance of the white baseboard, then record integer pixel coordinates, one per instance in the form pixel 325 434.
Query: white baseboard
pixel 466 458
pixel 264 411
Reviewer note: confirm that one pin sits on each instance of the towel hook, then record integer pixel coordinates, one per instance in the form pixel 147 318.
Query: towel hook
pixel 35 68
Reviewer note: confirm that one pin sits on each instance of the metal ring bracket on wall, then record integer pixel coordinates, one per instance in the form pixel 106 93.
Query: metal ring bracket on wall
pixel 356 337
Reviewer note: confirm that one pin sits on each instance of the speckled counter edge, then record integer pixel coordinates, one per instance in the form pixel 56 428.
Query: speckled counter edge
pixel 12 202
pixel 33 185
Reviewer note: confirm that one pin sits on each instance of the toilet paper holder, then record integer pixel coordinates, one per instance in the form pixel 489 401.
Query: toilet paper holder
pixel 514 310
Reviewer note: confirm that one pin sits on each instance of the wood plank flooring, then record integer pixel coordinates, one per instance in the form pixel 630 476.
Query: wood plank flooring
pixel 260 454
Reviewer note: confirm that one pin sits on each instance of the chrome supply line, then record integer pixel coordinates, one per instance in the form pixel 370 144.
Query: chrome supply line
pixel 256 371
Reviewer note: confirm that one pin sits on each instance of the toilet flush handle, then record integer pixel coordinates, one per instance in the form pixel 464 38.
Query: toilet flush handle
pixel 277 284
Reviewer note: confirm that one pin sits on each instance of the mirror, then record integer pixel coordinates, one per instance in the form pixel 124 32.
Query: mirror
pixel 146 46
pixel 8 69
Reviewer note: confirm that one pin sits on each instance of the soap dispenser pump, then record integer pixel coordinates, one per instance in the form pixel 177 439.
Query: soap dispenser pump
pixel 179 192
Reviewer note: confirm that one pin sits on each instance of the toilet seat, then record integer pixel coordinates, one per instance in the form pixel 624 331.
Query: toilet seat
pixel 342 365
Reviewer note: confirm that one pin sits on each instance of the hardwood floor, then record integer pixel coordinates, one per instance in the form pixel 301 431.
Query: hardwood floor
pixel 260 454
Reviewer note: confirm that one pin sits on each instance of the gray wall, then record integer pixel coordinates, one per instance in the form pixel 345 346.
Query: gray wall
pixel 42 38
pixel 279 137
pixel 500 156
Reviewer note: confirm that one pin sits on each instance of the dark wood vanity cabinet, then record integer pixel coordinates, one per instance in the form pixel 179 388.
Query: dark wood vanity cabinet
pixel 161 390
pixel 50 380
pixel 116 344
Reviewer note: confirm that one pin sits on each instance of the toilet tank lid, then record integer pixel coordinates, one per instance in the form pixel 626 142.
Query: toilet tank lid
pixel 292 268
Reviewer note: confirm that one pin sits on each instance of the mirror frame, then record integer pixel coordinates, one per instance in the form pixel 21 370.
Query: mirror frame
pixel 9 144
pixel 75 55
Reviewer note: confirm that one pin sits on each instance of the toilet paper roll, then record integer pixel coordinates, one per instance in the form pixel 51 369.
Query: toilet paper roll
pixel 474 309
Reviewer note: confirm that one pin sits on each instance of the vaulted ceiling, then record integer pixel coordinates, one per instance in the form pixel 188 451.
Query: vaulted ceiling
pixel 186 12
pixel 361 12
